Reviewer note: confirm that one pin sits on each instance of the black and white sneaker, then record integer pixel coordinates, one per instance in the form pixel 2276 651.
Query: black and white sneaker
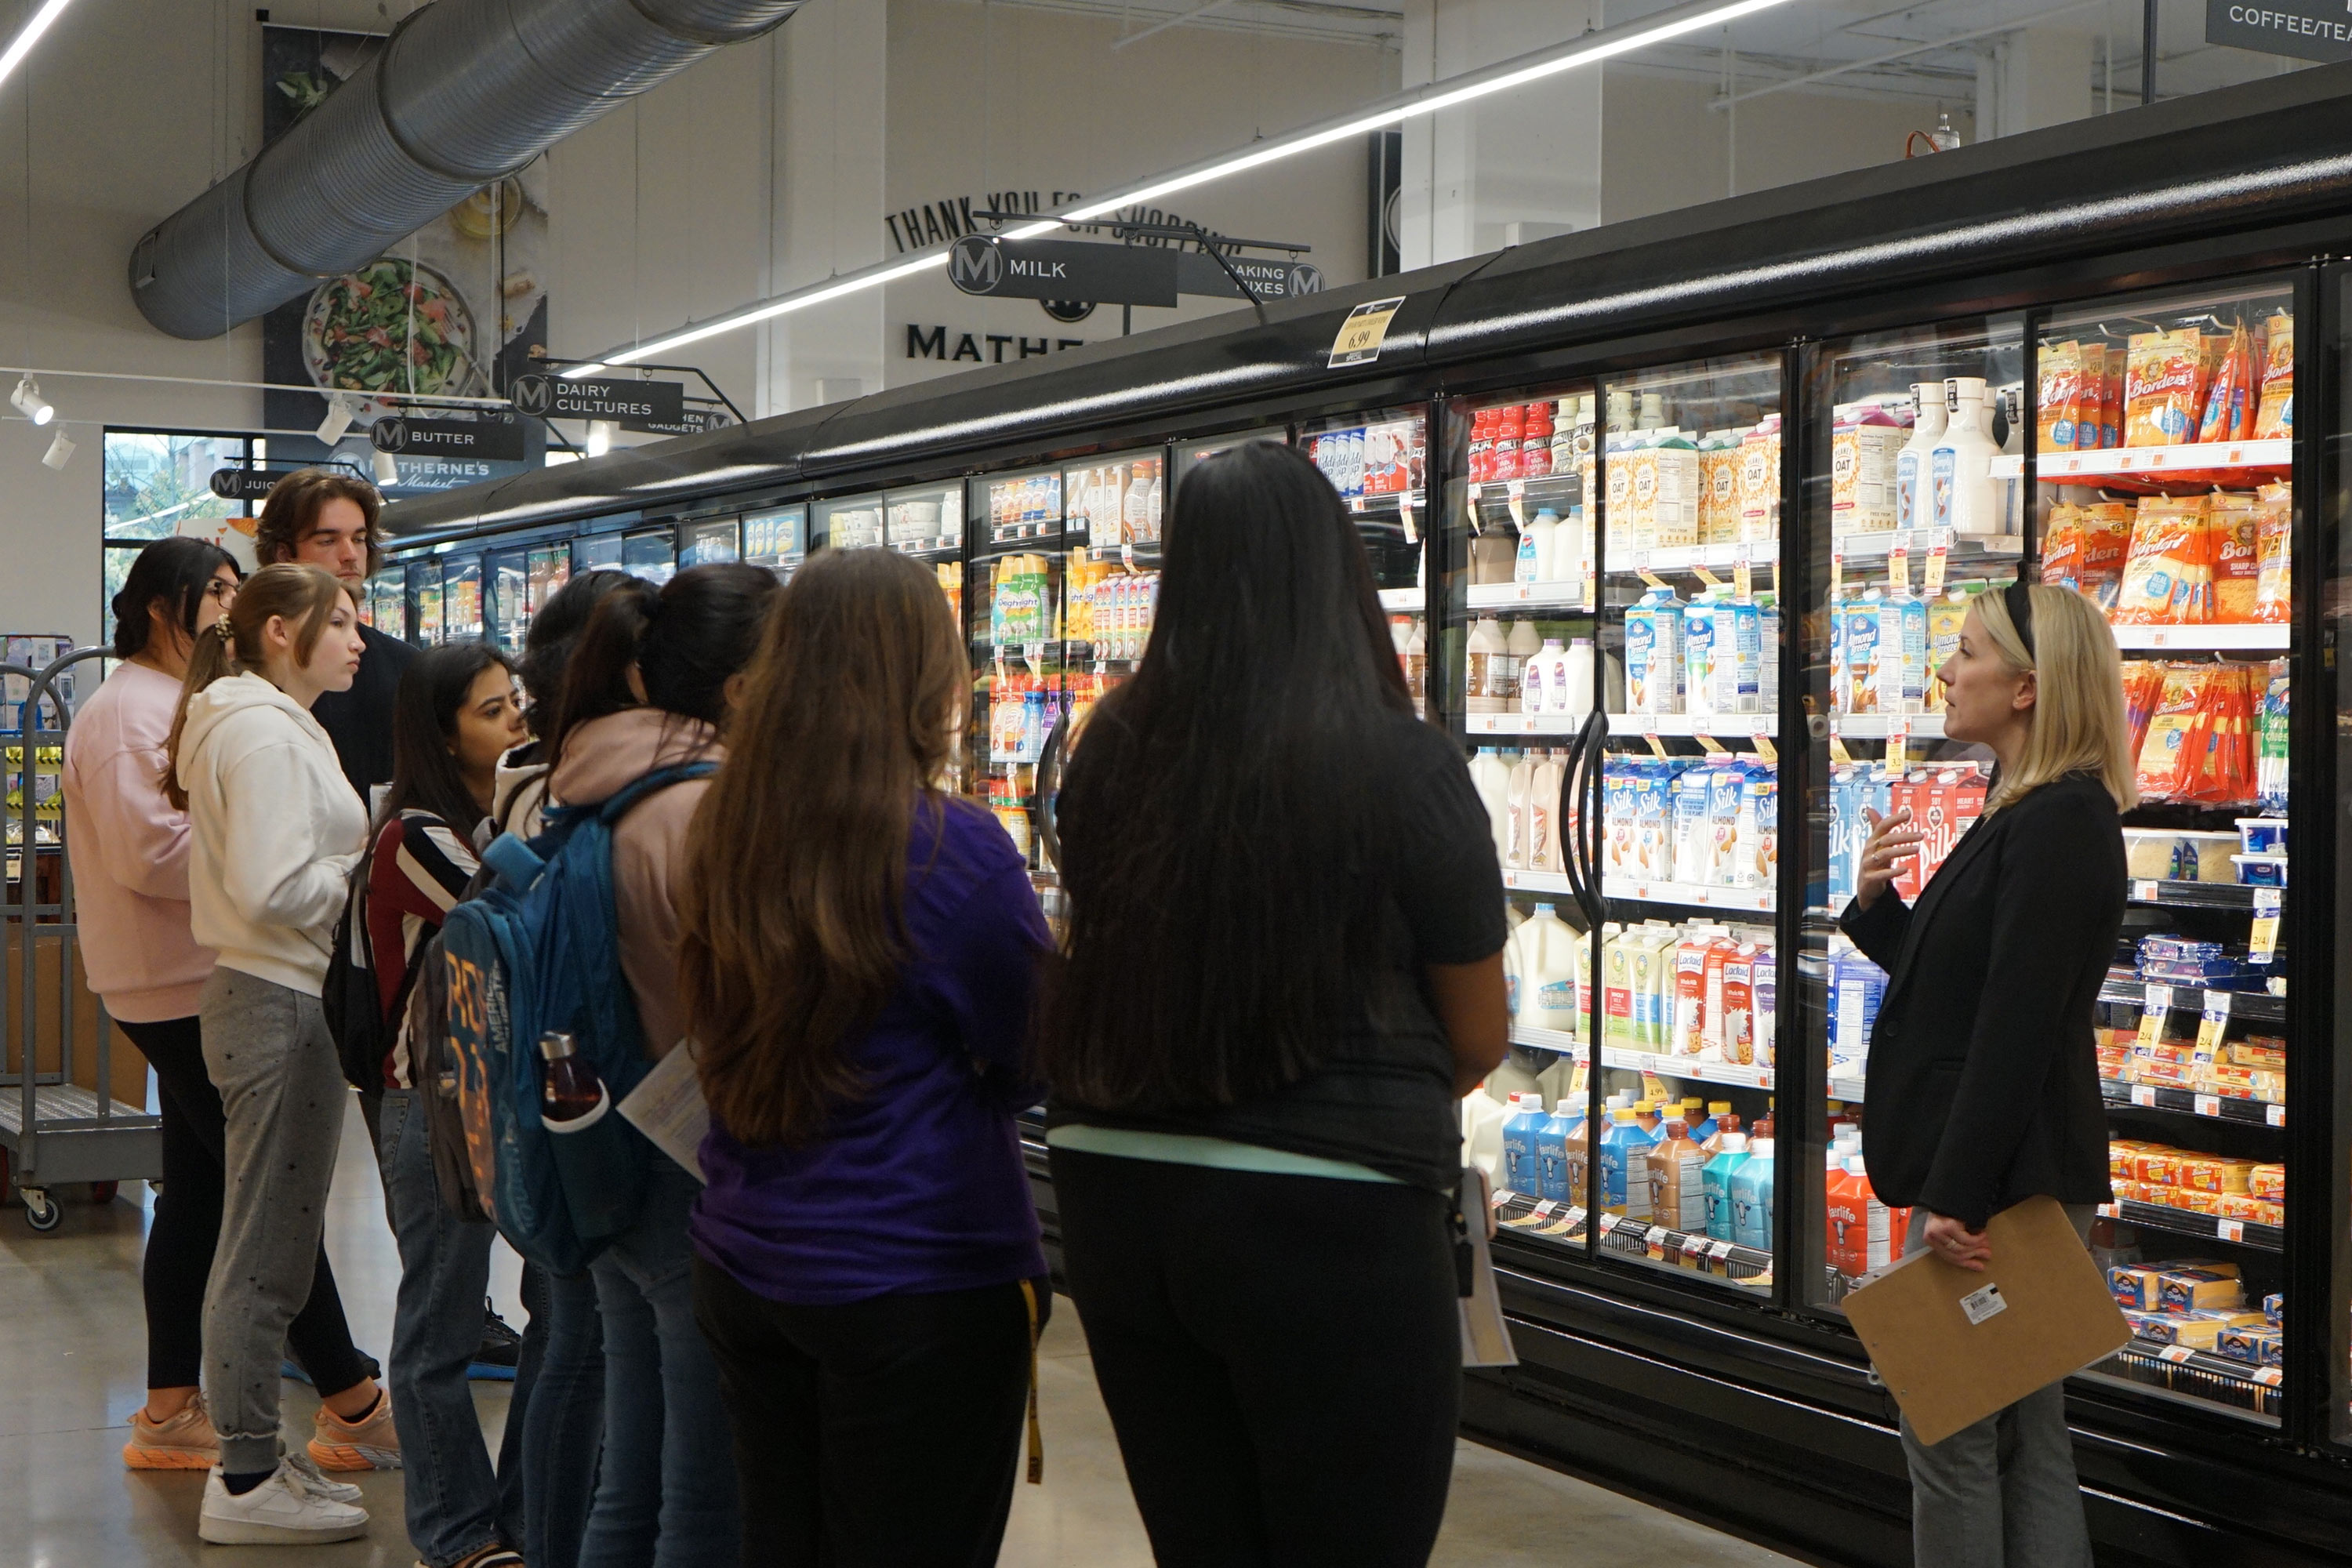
pixel 501 1347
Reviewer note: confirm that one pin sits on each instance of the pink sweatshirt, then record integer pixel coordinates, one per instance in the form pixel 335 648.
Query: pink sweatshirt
pixel 599 758
pixel 130 851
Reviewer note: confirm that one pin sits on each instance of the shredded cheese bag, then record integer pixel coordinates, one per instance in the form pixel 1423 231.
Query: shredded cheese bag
pixel 2106 538
pixel 2061 548
pixel 2167 574
pixel 2274 522
pixel 2230 526
pixel 2094 415
pixel 2162 770
pixel 2228 411
pixel 2162 373
pixel 2276 413
pixel 2058 402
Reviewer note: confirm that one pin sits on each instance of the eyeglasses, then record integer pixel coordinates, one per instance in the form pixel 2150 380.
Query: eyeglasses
pixel 220 592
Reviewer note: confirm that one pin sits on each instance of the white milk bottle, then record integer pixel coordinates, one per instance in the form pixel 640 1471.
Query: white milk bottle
pixel 1573 696
pixel 1542 674
pixel 1543 814
pixel 1547 993
pixel 1492 779
pixel 1520 649
pixel 1485 645
pixel 1914 500
pixel 1523 773
pixel 1962 463
pixel 1536 547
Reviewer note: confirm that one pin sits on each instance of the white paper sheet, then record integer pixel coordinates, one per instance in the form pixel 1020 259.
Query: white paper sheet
pixel 667 1106
pixel 1486 1338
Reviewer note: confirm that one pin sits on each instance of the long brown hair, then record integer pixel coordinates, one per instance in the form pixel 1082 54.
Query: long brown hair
pixel 303 595
pixel 290 514
pixel 791 902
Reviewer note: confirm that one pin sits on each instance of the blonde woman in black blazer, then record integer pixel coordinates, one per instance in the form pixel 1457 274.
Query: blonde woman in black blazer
pixel 1983 1079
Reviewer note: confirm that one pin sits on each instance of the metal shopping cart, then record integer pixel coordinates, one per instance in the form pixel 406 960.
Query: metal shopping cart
pixel 59 1121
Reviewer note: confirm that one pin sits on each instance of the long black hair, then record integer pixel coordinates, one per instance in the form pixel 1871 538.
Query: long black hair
pixel 554 633
pixel 179 572
pixel 685 638
pixel 1219 815
pixel 425 773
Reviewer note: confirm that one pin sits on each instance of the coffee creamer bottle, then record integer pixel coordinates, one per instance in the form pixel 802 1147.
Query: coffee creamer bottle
pixel 1914 495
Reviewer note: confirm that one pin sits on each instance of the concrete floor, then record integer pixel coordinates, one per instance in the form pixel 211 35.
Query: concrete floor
pixel 72 1365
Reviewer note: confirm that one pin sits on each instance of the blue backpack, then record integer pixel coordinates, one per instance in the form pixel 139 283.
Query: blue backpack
pixel 537 949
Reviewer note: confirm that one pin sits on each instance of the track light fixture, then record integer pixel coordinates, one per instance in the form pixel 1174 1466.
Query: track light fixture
pixel 60 452
pixel 30 402
pixel 338 419
pixel 387 469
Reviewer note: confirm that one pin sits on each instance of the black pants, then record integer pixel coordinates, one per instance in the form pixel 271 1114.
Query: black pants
pixel 186 1226
pixel 1281 1357
pixel 883 1433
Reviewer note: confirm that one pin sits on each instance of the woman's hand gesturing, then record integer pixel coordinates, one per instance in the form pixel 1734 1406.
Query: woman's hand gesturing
pixel 1893 841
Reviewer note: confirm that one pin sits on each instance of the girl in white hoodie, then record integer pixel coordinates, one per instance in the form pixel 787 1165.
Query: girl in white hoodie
pixel 274 831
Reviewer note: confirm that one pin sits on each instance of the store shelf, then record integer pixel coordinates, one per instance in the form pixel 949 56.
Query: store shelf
pixel 1748 900
pixel 1019 536
pixel 1876 726
pixel 1522 882
pixel 1386 500
pixel 1712 725
pixel 1522 724
pixel 2248 1006
pixel 2196 1373
pixel 2240 463
pixel 1524 596
pixel 2203 639
pixel 2198 1226
pixel 1520 1214
pixel 1559 1042
pixel 1403 599
pixel 2192 895
pixel 1919 541
pixel 1683 557
pixel 1729 1074
pixel 2125 1096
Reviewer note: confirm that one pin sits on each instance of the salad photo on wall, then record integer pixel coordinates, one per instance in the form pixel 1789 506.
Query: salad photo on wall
pixel 452 311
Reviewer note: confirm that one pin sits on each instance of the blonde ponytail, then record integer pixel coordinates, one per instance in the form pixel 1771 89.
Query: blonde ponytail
pixel 304 596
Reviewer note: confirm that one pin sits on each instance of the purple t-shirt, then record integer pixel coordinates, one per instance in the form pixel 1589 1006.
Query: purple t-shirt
pixel 919 1185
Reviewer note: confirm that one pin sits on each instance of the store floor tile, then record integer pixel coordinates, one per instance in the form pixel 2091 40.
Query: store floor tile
pixel 72 1365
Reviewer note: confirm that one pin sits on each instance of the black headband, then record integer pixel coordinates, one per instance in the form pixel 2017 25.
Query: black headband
pixel 2019 598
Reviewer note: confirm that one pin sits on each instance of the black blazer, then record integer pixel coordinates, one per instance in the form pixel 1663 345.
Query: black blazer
pixel 1983 1087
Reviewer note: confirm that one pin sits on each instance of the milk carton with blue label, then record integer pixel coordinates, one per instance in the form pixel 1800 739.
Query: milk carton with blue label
pixel 1692 853
pixel 1725 779
pixel 1617 817
pixel 1653 847
pixel 1767 638
pixel 1903 654
pixel 1740 656
pixel 1856 987
pixel 1864 634
pixel 1845 813
pixel 1700 655
pixel 1653 653
pixel 1756 843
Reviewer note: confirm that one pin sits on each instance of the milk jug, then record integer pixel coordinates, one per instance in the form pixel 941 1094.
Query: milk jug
pixel 1960 465
pixel 1523 771
pixel 1544 673
pixel 1914 498
pixel 1510 684
pixel 1492 779
pixel 1535 546
pixel 1547 993
pixel 1544 852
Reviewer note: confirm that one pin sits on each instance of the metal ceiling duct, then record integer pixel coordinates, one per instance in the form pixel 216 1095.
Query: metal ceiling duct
pixel 463 93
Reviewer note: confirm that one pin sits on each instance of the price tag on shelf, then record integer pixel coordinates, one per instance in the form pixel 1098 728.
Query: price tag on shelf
pixel 1898 736
pixel 1514 492
pixel 1838 754
pixel 1719 1250
pixel 2176 1355
pixel 2156 1002
pixel 1898 563
pixel 1404 513
pixel 1742 577
pixel 2230 1229
pixel 2262 940
pixel 1500 1197
pixel 2143 1094
pixel 1639 559
pixel 2268 1377
pixel 2212 1022
pixel 2274 1114
pixel 1650 577
pixel 2208 1105
pixel 1837 575
pixel 1592 585
pixel 1657 1249
pixel 1933 585
pixel 1703 734
pixel 2112 1211
pixel 1765 750
pixel 1605 1223
pixel 2144 890
pixel 1705 576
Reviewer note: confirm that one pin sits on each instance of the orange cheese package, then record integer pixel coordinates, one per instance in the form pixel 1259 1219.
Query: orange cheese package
pixel 2094 420
pixel 2163 374
pixel 2162 767
pixel 2106 541
pixel 2274 415
pixel 2168 571
pixel 2230 400
pixel 2062 546
pixel 2274 522
pixel 2218 761
pixel 2231 530
pixel 2058 402
pixel 2143 688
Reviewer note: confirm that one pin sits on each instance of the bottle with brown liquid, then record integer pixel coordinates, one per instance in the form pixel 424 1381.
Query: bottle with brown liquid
pixel 573 1088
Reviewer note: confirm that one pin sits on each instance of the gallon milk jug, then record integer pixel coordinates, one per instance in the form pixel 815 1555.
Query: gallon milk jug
pixel 1965 497
pixel 1543 813
pixel 1482 1134
pixel 1548 995
pixel 1485 645
pixel 1573 697
pixel 1535 546
pixel 1492 779
pixel 1523 774
pixel 1522 645
pixel 1543 675
pixel 1915 503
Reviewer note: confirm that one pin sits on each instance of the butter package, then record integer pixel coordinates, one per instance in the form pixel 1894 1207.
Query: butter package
pixel 2138 1288
pixel 2200 1290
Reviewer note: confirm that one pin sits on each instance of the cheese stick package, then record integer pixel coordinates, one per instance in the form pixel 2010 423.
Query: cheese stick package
pixel 2229 408
pixel 2095 416
pixel 2167 574
pixel 2143 689
pixel 2163 372
pixel 2274 522
pixel 2062 546
pixel 2164 757
pixel 2275 413
pixel 2230 528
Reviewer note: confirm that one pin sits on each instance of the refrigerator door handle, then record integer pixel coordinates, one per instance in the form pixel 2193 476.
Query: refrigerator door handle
pixel 1049 785
pixel 1585 842
pixel 1570 822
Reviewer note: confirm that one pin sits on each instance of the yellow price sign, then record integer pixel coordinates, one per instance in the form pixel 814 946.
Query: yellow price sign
pixel 2262 940
pixel 2156 1002
pixel 1362 334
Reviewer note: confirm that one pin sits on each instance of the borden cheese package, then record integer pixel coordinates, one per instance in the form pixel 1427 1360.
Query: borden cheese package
pixel 2163 759
pixel 2106 542
pixel 2230 402
pixel 2231 530
pixel 2273 523
pixel 2275 416
pixel 2163 374
pixel 2167 574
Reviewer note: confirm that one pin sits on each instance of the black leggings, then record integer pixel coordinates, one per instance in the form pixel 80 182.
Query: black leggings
pixel 838 1410
pixel 187 1222
pixel 1281 1357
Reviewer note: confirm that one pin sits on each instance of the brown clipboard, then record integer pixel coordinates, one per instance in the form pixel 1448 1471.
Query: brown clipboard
pixel 1954 1345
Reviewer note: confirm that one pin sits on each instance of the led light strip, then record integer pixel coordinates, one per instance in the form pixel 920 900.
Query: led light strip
pixel 1591 49
pixel 25 41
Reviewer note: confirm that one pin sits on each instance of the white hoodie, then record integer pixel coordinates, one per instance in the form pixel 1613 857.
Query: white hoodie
pixel 276 831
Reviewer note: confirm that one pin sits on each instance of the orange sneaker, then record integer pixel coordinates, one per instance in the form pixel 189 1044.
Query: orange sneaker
pixel 184 1441
pixel 367 1443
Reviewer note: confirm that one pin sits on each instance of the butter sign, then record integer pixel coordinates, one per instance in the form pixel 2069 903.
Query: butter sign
pixel 2307 29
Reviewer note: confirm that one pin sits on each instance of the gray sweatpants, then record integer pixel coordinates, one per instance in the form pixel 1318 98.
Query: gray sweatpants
pixel 270 1056
pixel 2001 1493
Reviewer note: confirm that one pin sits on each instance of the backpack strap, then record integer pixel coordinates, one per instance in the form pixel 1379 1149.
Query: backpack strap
pixel 618 806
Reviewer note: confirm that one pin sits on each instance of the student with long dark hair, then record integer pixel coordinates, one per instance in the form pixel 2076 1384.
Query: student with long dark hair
pixel 649 687
pixel 1284 970
pixel 130 849
pixel 275 830
pixel 454 717
pixel 858 960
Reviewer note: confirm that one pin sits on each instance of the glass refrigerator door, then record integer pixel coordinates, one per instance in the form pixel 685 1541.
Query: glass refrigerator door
pixel 388 602
pixel 550 568
pixel 651 554
pixel 715 541
pixel 461 598
pixel 849 522
pixel 1688 627
pixel 1911 507
pixel 1191 455
pixel 925 524
pixel 507 576
pixel 2177 517
pixel 597 553
pixel 777 539
pixel 1377 464
pixel 424 601
pixel 1019 684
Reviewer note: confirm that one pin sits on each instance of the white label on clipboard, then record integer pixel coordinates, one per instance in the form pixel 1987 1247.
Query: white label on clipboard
pixel 1980 1304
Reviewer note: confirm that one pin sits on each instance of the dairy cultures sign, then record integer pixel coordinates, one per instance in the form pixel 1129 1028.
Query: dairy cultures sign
pixel 631 404
pixel 2307 29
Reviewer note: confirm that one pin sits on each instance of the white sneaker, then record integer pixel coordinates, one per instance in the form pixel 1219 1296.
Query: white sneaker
pixel 316 1478
pixel 284 1510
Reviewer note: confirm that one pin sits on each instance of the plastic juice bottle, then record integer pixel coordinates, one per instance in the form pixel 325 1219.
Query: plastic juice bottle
pixel 1522 770
pixel 1548 986
pixel 1520 1173
pixel 1536 547
pixel 1914 500
pixel 1751 1197
pixel 1678 1187
pixel 1550 1139
pixel 1625 1147
pixel 1486 643
pixel 1715 1179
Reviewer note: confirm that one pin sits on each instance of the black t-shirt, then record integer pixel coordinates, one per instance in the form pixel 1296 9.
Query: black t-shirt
pixel 358 720
pixel 1384 1095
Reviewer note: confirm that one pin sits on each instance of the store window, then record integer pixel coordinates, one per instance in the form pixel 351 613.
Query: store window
pixel 159 483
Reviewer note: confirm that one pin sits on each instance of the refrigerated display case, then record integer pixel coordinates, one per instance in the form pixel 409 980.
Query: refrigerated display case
pixel 597 553
pixel 423 592
pixel 506 579
pixel 386 609
pixel 1378 465
pixel 650 553
pixel 847 522
pixel 776 538
pixel 461 598
pixel 711 541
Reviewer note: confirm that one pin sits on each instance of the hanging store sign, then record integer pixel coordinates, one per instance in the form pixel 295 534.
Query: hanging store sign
pixel 490 437
pixel 1063 270
pixel 1198 273
pixel 657 405
pixel 244 484
pixel 1364 332
pixel 2307 29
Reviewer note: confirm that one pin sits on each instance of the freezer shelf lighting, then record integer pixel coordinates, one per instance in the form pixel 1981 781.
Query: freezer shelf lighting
pixel 2203 639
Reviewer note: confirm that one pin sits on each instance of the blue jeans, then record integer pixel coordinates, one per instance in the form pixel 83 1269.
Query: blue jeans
pixel 562 1425
pixel 665 1491
pixel 455 1504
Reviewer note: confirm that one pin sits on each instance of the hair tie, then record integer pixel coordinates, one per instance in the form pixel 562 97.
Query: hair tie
pixel 228 633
